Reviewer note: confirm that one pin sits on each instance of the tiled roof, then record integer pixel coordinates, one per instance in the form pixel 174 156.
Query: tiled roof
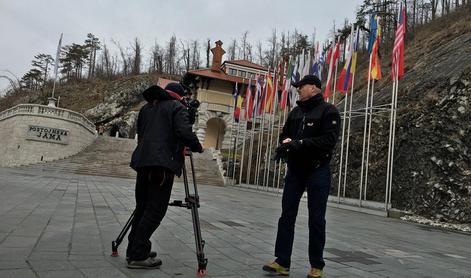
pixel 246 63
pixel 217 75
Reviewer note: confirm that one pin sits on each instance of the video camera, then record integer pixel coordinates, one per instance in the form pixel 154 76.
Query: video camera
pixel 191 104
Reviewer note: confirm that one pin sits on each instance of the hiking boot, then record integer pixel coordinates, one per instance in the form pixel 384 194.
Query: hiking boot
pixel 149 263
pixel 274 267
pixel 315 273
pixel 152 254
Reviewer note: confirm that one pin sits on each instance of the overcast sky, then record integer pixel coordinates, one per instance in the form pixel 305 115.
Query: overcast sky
pixel 29 27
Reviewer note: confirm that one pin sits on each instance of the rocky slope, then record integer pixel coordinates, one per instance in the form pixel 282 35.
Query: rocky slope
pixel 432 160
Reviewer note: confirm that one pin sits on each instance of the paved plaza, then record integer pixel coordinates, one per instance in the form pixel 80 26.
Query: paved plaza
pixel 61 225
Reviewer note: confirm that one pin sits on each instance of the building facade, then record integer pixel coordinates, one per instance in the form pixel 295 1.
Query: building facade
pixel 215 87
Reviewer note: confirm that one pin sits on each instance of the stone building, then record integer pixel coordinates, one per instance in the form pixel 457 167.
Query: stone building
pixel 215 88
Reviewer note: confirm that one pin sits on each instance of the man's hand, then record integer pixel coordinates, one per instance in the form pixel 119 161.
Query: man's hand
pixel 287 140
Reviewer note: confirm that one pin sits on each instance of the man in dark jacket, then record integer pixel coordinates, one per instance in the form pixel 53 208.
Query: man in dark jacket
pixel 163 131
pixel 307 140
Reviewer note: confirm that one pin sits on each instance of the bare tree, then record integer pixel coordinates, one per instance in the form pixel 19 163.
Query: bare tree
pixel 195 55
pixel 249 52
pixel 136 59
pixel 185 55
pixel 231 50
pixel 93 44
pixel 124 58
pixel 157 59
pixel 170 56
pixel 260 52
pixel 243 46
pixel 105 67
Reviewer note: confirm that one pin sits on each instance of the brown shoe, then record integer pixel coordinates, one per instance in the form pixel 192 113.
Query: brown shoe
pixel 275 268
pixel 315 273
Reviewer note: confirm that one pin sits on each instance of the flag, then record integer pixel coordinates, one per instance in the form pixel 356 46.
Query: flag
pixel 263 94
pixel 333 56
pixel 307 63
pixel 373 32
pixel 58 54
pixel 248 102
pixel 346 76
pixel 237 103
pixel 397 70
pixel 375 59
pixel 269 95
pixel 286 85
pixel 258 98
pixel 295 77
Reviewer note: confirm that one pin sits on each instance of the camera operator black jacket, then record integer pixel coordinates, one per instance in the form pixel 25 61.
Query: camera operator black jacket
pixel 163 130
pixel 314 125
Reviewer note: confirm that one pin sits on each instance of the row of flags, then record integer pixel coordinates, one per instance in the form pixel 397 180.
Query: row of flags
pixel 269 92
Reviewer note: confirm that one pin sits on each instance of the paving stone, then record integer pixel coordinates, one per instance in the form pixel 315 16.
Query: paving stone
pixel 65 223
pixel 17 273
pixel 61 274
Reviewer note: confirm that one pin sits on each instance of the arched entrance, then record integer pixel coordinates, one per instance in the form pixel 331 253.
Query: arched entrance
pixel 115 130
pixel 215 129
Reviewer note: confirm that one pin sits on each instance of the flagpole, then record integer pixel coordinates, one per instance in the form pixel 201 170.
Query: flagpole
pixel 260 146
pixel 268 153
pixel 335 81
pixel 365 131
pixel 243 152
pixel 345 99
pixel 370 116
pixel 272 118
pixel 347 148
pixel 235 152
pixel 393 138
pixel 390 144
pixel 56 66
pixel 249 163
pixel 231 136
pixel 397 60
pixel 277 164
pixel 262 135
pixel 280 163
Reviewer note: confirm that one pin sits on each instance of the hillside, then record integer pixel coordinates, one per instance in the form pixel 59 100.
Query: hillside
pixel 432 162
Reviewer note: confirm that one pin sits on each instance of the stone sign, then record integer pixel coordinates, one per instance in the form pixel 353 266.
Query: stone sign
pixel 47 134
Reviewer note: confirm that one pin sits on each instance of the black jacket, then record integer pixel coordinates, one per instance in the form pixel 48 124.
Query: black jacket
pixel 316 124
pixel 163 130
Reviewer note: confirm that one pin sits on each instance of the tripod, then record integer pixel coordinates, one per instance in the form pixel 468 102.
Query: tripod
pixel 191 202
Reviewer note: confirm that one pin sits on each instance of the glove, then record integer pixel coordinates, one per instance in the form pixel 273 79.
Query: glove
pixel 199 150
pixel 281 153
pixel 295 145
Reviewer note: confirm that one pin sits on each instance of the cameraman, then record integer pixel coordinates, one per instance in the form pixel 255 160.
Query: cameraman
pixel 163 131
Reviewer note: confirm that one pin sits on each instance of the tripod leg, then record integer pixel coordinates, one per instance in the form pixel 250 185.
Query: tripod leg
pixel 115 243
pixel 202 261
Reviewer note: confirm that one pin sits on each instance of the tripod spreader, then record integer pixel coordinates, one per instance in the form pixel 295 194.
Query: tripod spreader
pixel 190 202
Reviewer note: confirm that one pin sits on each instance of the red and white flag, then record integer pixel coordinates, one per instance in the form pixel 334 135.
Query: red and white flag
pixel 397 70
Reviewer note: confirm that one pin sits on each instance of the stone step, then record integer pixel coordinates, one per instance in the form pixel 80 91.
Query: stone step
pixel 109 156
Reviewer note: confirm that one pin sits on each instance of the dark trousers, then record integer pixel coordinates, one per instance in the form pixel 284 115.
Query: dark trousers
pixel 317 183
pixel 153 189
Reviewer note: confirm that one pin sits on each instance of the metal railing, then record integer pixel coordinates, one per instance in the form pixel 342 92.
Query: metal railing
pixel 51 112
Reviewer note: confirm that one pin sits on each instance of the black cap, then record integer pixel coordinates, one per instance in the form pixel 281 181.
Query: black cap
pixel 176 88
pixel 152 93
pixel 308 79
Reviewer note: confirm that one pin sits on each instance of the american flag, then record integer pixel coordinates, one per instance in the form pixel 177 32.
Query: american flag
pixel 397 70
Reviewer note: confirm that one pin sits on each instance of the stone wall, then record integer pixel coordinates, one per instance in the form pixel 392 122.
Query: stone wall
pixel 36 133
